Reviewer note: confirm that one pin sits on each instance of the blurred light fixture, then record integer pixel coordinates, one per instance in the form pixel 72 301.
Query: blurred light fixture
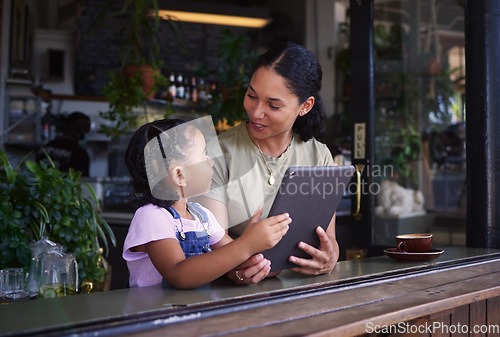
pixel 213 14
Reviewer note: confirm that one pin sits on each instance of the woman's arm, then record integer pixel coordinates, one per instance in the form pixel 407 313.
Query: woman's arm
pixel 168 258
pixel 324 258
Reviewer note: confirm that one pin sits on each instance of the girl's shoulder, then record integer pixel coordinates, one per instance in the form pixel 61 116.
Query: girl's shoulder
pixel 150 223
pixel 151 210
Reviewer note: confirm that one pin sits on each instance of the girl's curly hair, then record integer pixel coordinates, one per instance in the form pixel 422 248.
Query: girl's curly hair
pixel 179 142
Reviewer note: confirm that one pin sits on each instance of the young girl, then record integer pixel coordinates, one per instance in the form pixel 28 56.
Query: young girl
pixel 170 240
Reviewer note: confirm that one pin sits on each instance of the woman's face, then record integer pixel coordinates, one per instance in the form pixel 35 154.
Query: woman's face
pixel 271 107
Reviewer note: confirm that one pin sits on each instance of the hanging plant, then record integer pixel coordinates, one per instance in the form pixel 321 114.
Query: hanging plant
pixel 126 95
pixel 129 90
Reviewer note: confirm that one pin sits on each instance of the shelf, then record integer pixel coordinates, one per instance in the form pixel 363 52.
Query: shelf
pixel 18 81
pixel 78 98
pixel 179 104
pixel 22 115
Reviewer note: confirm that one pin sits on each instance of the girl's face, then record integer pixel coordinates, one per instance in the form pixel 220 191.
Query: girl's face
pixel 271 107
pixel 197 168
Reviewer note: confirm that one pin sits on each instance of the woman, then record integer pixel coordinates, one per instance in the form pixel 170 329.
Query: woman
pixel 285 114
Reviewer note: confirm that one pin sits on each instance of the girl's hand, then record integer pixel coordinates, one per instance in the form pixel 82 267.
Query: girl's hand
pixel 323 259
pixel 265 234
pixel 252 271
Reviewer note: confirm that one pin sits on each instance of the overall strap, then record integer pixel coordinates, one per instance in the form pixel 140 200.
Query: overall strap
pixel 174 213
pixel 194 208
pixel 198 211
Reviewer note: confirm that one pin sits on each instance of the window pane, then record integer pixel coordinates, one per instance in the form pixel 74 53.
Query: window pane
pixel 420 120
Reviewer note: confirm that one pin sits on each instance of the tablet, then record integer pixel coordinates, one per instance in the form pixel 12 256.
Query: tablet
pixel 311 196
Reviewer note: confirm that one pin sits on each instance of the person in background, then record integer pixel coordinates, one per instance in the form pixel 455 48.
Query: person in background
pixel 170 240
pixel 285 116
pixel 66 150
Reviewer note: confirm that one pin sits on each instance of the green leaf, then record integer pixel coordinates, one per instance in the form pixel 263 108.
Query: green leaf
pixel 34 167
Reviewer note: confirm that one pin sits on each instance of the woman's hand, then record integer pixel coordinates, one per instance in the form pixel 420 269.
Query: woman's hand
pixel 260 235
pixel 323 259
pixel 252 271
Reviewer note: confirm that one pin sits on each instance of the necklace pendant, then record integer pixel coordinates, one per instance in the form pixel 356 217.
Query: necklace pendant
pixel 271 180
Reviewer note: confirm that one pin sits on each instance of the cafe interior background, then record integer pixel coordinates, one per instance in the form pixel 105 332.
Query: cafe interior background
pixel 418 173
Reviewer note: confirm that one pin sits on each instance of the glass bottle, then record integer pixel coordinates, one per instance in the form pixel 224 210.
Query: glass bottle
pixel 194 90
pixel 202 93
pixel 180 87
pixel 187 89
pixel 172 88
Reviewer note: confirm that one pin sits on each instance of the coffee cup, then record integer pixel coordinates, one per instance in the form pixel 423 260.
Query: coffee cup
pixel 414 243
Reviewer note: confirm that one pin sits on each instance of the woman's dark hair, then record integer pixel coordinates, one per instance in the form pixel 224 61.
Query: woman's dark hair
pixel 302 73
pixel 134 157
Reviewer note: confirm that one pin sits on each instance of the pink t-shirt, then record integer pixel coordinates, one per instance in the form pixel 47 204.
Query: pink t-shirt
pixel 152 223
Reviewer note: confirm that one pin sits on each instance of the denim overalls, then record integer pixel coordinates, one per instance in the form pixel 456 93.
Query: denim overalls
pixel 192 243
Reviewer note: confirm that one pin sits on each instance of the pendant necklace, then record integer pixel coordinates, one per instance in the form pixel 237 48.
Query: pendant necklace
pixel 271 179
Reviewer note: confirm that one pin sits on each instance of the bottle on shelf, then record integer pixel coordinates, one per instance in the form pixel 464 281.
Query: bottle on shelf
pixel 172 88
pixel 187 89
pixel 210 91
pixel 202 93
pixel 215 90
pixel 180 93
pixel 194 90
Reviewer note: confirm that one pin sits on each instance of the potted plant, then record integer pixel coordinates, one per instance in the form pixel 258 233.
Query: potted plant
pixel 38 201
pixel 139 75
pixel 406 151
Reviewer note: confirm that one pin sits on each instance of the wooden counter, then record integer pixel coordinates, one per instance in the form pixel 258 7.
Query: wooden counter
pixel 356 298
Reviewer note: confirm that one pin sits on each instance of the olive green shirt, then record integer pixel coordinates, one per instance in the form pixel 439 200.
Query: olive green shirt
pixel 241 176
